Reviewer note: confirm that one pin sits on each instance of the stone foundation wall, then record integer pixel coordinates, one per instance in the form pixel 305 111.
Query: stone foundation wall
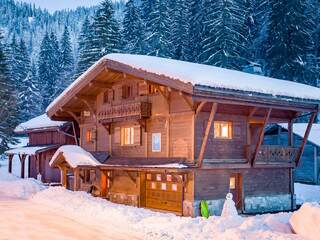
pixel 270 203
pixel 121 198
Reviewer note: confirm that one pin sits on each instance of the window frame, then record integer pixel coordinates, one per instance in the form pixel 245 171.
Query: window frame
pixel 218 135
pixel 89 135
pixel 123 136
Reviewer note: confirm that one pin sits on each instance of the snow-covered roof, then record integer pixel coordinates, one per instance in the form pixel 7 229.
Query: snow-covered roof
pixel 40 122
pixel 300 128
pixel 169 165
pixel 30 150
pixel 75 156
pixel 200 75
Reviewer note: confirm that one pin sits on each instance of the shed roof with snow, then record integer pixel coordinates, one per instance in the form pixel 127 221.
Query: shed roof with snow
pixel 30 150
pixel 38 123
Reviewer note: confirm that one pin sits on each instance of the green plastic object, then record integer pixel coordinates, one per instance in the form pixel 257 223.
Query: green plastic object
pixel 204 209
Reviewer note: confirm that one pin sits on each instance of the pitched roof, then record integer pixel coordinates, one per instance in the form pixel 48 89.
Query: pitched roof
pixel 37 123
pixel 31 150
pixel 190 77
pixel 300 128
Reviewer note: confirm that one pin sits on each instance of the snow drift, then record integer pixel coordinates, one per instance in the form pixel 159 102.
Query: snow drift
pixel 306 221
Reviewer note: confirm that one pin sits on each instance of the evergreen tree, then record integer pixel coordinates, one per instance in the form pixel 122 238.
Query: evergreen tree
pixel 290 43
pixel 66 61
pixel 84 48
pixel 158 25
pixel 133 33
pixel 224 43
pixel 105 29
pixel 8 119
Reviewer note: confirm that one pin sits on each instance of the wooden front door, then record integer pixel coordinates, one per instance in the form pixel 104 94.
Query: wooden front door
pixel 235 187
pixel 164 192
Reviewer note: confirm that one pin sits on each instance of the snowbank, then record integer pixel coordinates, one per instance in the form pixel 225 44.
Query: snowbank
pixel 307 193
pixel 306 221
pixel 154 225
pixel 74 156
pixel 13 187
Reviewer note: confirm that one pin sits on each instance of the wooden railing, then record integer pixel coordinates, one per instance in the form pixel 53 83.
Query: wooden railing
pixel 274 154
pixel 132 110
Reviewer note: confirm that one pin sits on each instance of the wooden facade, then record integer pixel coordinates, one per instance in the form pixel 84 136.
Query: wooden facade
pixel 172 144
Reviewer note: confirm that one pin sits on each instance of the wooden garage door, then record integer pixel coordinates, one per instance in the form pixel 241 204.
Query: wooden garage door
pixel 164 192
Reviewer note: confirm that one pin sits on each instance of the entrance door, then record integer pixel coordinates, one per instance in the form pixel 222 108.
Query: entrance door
pixel 164 192
pixel 235 187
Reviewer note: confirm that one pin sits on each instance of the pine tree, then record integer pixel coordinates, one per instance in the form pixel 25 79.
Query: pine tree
pixel 158 25
pixel 8 114
pixel 224 43
pixel 290 43
pixel 180 29
pixel 84 48
pixel 66 62
pixel 105 29
pixel 133 33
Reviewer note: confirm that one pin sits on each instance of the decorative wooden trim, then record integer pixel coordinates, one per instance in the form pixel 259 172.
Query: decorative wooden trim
pixel 199 108
pixel 261 136
pixel 305 138
pixel 206 135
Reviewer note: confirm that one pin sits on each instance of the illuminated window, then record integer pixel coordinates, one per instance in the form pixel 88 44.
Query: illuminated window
pixel 163 186
pixel 232 183
pixel 156 142
pixel 149 176
pixel 223 130
pixel 174 187
pixel 86 113
pixel 127 136
pixel 169 178
pixel 159 177
pixel 89 135
pixel 153 185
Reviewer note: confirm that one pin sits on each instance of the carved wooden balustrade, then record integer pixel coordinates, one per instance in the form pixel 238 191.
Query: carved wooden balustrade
pixel 274 154
pixel 125 111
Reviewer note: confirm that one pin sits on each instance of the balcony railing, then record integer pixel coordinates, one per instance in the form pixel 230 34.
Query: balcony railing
pixel 274 154
pixel 125 111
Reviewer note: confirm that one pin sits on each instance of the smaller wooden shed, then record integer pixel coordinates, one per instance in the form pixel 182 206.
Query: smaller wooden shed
pixel 309 169
pixel 45 137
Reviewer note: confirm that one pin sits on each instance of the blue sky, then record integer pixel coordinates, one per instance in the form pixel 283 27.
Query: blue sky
pixel 53 5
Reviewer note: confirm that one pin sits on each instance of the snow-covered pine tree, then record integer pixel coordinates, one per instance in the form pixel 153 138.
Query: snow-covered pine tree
pixel 48 68
pixel 223 43
pixel 8 114
pixel 84 48
pixel 290 42
pixel 105 32
pixel 158 37
pixel 195 16
pixel 180 28
pixel 66 61
pixel 133 32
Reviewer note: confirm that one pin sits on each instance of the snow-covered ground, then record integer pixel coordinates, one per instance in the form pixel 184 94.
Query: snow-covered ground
pixel 307 193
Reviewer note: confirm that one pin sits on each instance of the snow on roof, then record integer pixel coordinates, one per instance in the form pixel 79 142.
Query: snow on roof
pixel 300 128
pixel 32 150
pixel 40 122
pixel 204 75
pixel 169 165
pixel 74 156
pixel 215 77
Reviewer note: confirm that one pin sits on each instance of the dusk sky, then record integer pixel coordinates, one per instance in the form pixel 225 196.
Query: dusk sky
pixel 53 5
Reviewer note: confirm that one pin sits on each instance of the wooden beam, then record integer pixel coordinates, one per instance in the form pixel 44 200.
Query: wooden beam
pixel 76 179
pixel 98 84
pixel 290 133
pixel 70 109
pixel 163 94
pixel 75 134
pixel 305 138
pixel 10 157
pixel 252 112
pixel 103 184
pixel 188 102
pixel 261 136
pixel 75 117
pixel 90 108
pixel 206 135
pixel 22 158
pixel 199 108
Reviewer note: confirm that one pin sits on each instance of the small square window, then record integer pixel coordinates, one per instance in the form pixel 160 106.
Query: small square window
pixel 86 113
pixel 174 187
pixel 159 177
pixel 163 186
pixel 232 183
pixel 149 176
pixel 153 185
pixel 169 178
pixel 223 129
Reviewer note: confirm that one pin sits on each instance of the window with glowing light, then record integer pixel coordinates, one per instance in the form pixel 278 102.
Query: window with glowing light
pixel 127 136
pixel 223 130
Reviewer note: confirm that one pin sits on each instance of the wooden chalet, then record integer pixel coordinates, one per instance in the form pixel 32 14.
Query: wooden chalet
pixel 45 137
pixel 309 169
pixel 173 133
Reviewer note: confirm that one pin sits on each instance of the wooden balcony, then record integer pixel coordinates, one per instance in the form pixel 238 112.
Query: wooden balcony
pixel 125 112
pixel 274 154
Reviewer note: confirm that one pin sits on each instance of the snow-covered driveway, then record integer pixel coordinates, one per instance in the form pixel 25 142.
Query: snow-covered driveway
pixel 25 219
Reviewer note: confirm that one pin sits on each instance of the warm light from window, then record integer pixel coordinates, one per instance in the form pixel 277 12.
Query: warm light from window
pixel 223 129
pixel 232 183
pixel 89 136
pixel 127 136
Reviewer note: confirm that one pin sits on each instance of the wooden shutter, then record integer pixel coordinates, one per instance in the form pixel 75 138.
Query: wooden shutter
pixel 137 135
pixel 117 135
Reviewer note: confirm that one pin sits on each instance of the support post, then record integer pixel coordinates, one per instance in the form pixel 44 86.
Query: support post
pixel 315 159
pixel 261 136
pixel 290 133
pixel 63 176
pixel 76 179
pixel 103 183
pixel 10 157
pixel 206 135
pixel 75 134
pixel 305 138
pixel 22 158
